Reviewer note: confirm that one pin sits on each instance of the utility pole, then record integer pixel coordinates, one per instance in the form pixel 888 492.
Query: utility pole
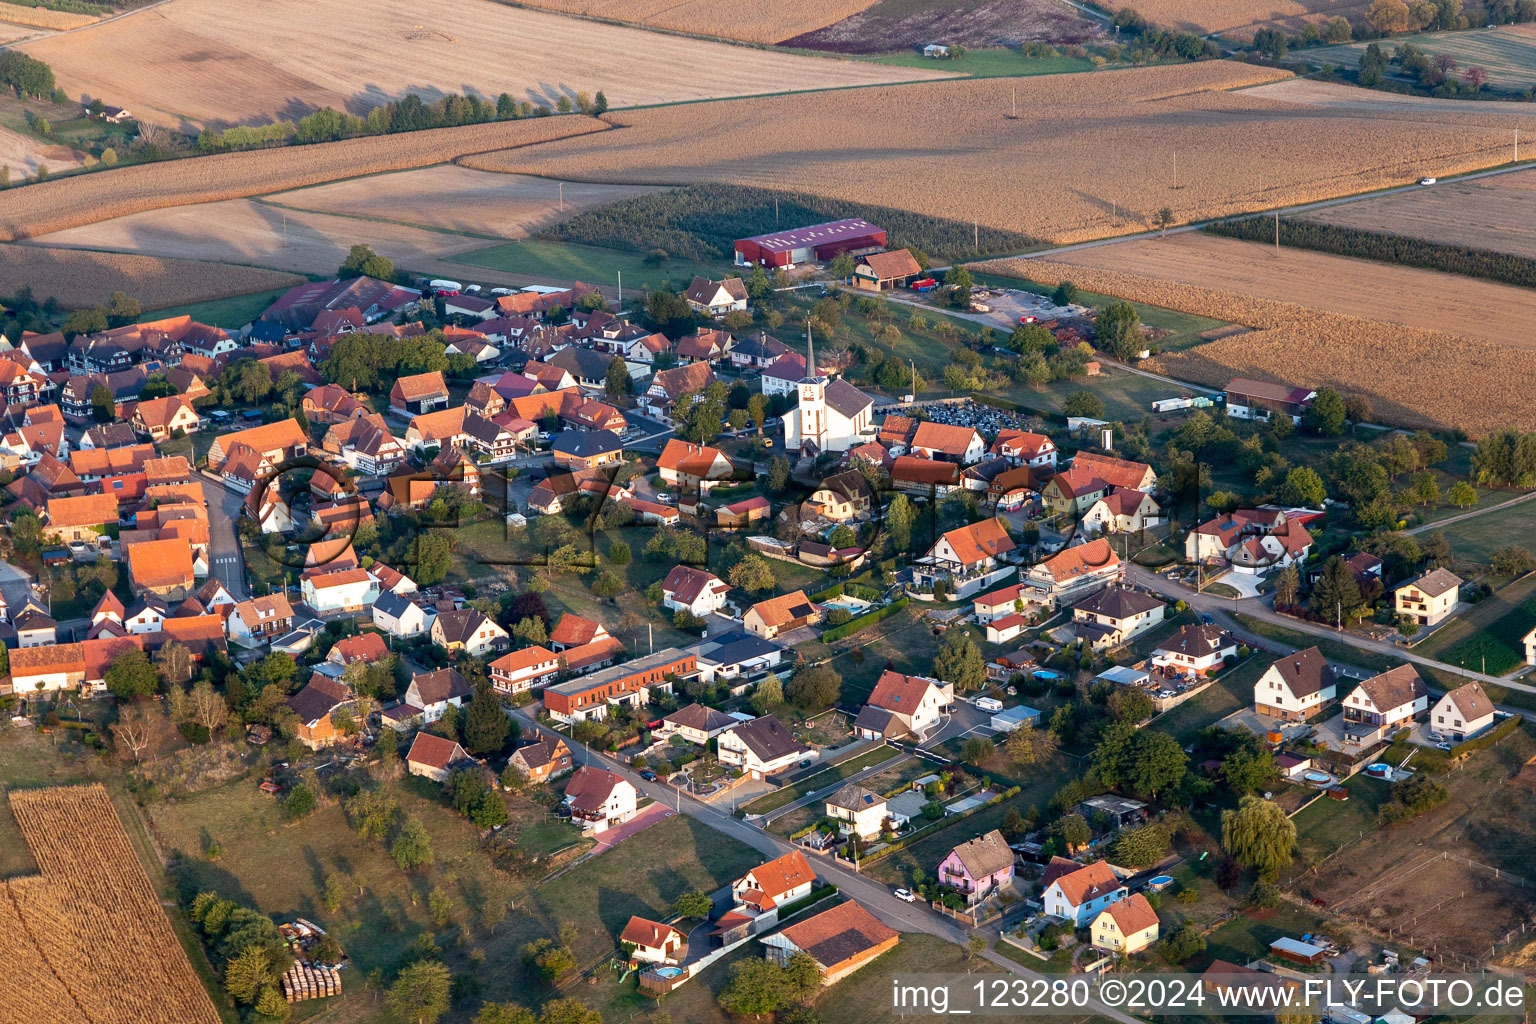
pixel 621 291
pixel 1517 145
pixel 976 235
pixel 775 211
pixel 1015 101
pixel 1175 168
pixel 1277 234
pixel 562 196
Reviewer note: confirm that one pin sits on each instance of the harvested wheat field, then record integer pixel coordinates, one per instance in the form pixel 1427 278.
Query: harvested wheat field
pixel 1488 213
pixel 1088 156
pixel 1348 99
pixel 23 155
pixel 728 19
pixel 82 199
pixel 1242 18
pixel 86 939
pixel 451 198
pixel 42 17
pixel 207 61
pixel 258 234
pixel 1415 378
pixel 1338 284
pixel 79 278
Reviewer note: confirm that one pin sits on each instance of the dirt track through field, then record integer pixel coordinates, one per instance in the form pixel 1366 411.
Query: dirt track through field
pixel 1339 284
pixel 451 198
pixel 207 61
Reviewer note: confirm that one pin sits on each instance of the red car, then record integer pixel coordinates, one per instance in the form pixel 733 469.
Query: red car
pixel 1028 319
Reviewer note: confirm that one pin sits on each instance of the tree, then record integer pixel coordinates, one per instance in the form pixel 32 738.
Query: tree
pixel 1248 769
pixel 769 694
pixel 1158 764
pixel 752 574
pixel 976 750
pixel 841 267
pixel 548 958
pixel 207 706
pixel 1119 331
pixel 1476 77
pixel 1140 847
pixel 568 1011
pixel 1065 294
pixel 486 724
pixel 618 382
pixel 433 557
pixel 1303 487
pixel 420 993
pixel 138 732
pixel 1130 704
pixel 504 1013
pixel 300 802
pixel 1373 64
pixel 1072 830
pixel 693 904
pixel 1287 585
pixel 1182 945
pixel 1028 747
pixel 898 520
pixel 131 675
pixel 1462 494
pixel 1165 215
pixel 778 474
pixel 1259 836
pixel 756 988
pixel 1326 415
pixel 814 687
pixel 1388 16
pixel 1336 594
pixel 271 1004
pixel 245 974
pixel 412 848
pixel 1424 490
pixel 103 406
pixel 1514 560
pixel 959 661
pixel 1084 403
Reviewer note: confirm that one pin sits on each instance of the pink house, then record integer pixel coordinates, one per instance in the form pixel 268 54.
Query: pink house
pixel 978 866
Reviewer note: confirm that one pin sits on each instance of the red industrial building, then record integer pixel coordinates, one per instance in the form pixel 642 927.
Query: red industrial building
pixel 802 245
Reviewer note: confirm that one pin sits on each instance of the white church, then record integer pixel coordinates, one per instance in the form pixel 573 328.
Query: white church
pixel 832 416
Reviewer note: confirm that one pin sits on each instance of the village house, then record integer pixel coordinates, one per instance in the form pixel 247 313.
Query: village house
pixel 314 705
pixel 366 444
pixel 1382 704
pixel 587 449
pixel 401 617
pixel 690 467
pixel 759 353
pixel 695 591
pixel 1248 399
pixel 840 941
pixel 349 591
pixel 1125 926
pixel 277 442
pixel 1461 713
pixel 160 418
pixel 737 656
pixel 589 697
pixel 651 942
pixel 467 630
pixel 696 723
pixel 1122 511
pixel 434 757
pixel 82 518
pixel 783 375
pixel 883 271
pixel 924 477
pixel 1114 615
pixel 259 620
pixel 1076 893
pixel 575 631
pixel 1073 573
pixel 841 498
pixel 331 403
pixel 716 298
pixel 967 553
pixel 945 442
pixel 547 757
pixel 1074 491
pixel 903 706
pixel 1195 650
pixel 742 514
pixel 1430 599
pixel 858 811
pixel 759 894
pixel 667 387
pixel 435 692
pixel 163 568
pixel 523 670
pixel 779 615
pixel 1025 448
pixel 760 747
pixel 1296 687
pixel 419 393
pixel 598 799
pixel 998 604
pixel 978 867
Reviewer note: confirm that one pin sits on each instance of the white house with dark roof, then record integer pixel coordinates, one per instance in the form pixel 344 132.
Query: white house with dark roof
pixel 1462 713
pixel 1195 650
pixel 1382 704
pixel 1296 687
pixel 598 799
pixel 716 298
pixel 858 810
pixel 904 706
pixel 692 590
pixel 696 723
pixel 760 747
pixel 1430 599
pixel 1114 615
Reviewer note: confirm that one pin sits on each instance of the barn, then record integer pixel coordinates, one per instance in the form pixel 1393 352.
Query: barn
pixel 802 245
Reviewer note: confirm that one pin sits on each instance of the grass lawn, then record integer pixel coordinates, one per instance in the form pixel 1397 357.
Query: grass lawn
pixel 1127 396
pixel 997 62
pixel 1333 650
pixel 1476 539
pixel 593 264
pixel 1234 690
pixel 821 780
pixel 1487 638
pixel 1248 935
pixel 903 640
pixel 235 311
pixel 1328 824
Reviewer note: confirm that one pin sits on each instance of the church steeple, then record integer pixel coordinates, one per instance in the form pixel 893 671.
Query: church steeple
pixel 811 371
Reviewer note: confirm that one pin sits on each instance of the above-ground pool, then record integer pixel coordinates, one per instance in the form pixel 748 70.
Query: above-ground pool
pixel 668 972
pixel 1379 768
pixel 1046 674
pixel 1160 882
pixel 1316 778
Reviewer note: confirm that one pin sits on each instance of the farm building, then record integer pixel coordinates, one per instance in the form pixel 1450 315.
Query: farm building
pixel 1258 400
pixel 804 245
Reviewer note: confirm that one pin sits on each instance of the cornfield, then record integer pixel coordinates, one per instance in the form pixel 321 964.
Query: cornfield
pixel 67 202
pixel 88 940
pixel 41 17
pixel 1060 157
pixel 752 23
pixel 1415 378
pixel 79 277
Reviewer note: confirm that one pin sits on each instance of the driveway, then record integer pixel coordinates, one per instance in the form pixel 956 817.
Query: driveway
pixel 16 585
pixel 639 823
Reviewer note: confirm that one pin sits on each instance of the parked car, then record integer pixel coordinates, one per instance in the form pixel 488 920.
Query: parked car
pixel 1427 181
pixel 649 776
pixel 905 895
pixel 1442 745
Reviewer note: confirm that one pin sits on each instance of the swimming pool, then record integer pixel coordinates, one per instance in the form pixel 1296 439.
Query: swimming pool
pixel 1317 777
pixel 1160 882
pixel 668 972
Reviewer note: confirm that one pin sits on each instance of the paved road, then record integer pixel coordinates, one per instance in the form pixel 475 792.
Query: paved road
pixel 1220 608
pixel 875 896
pixel 1472 514
pixel 225 559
